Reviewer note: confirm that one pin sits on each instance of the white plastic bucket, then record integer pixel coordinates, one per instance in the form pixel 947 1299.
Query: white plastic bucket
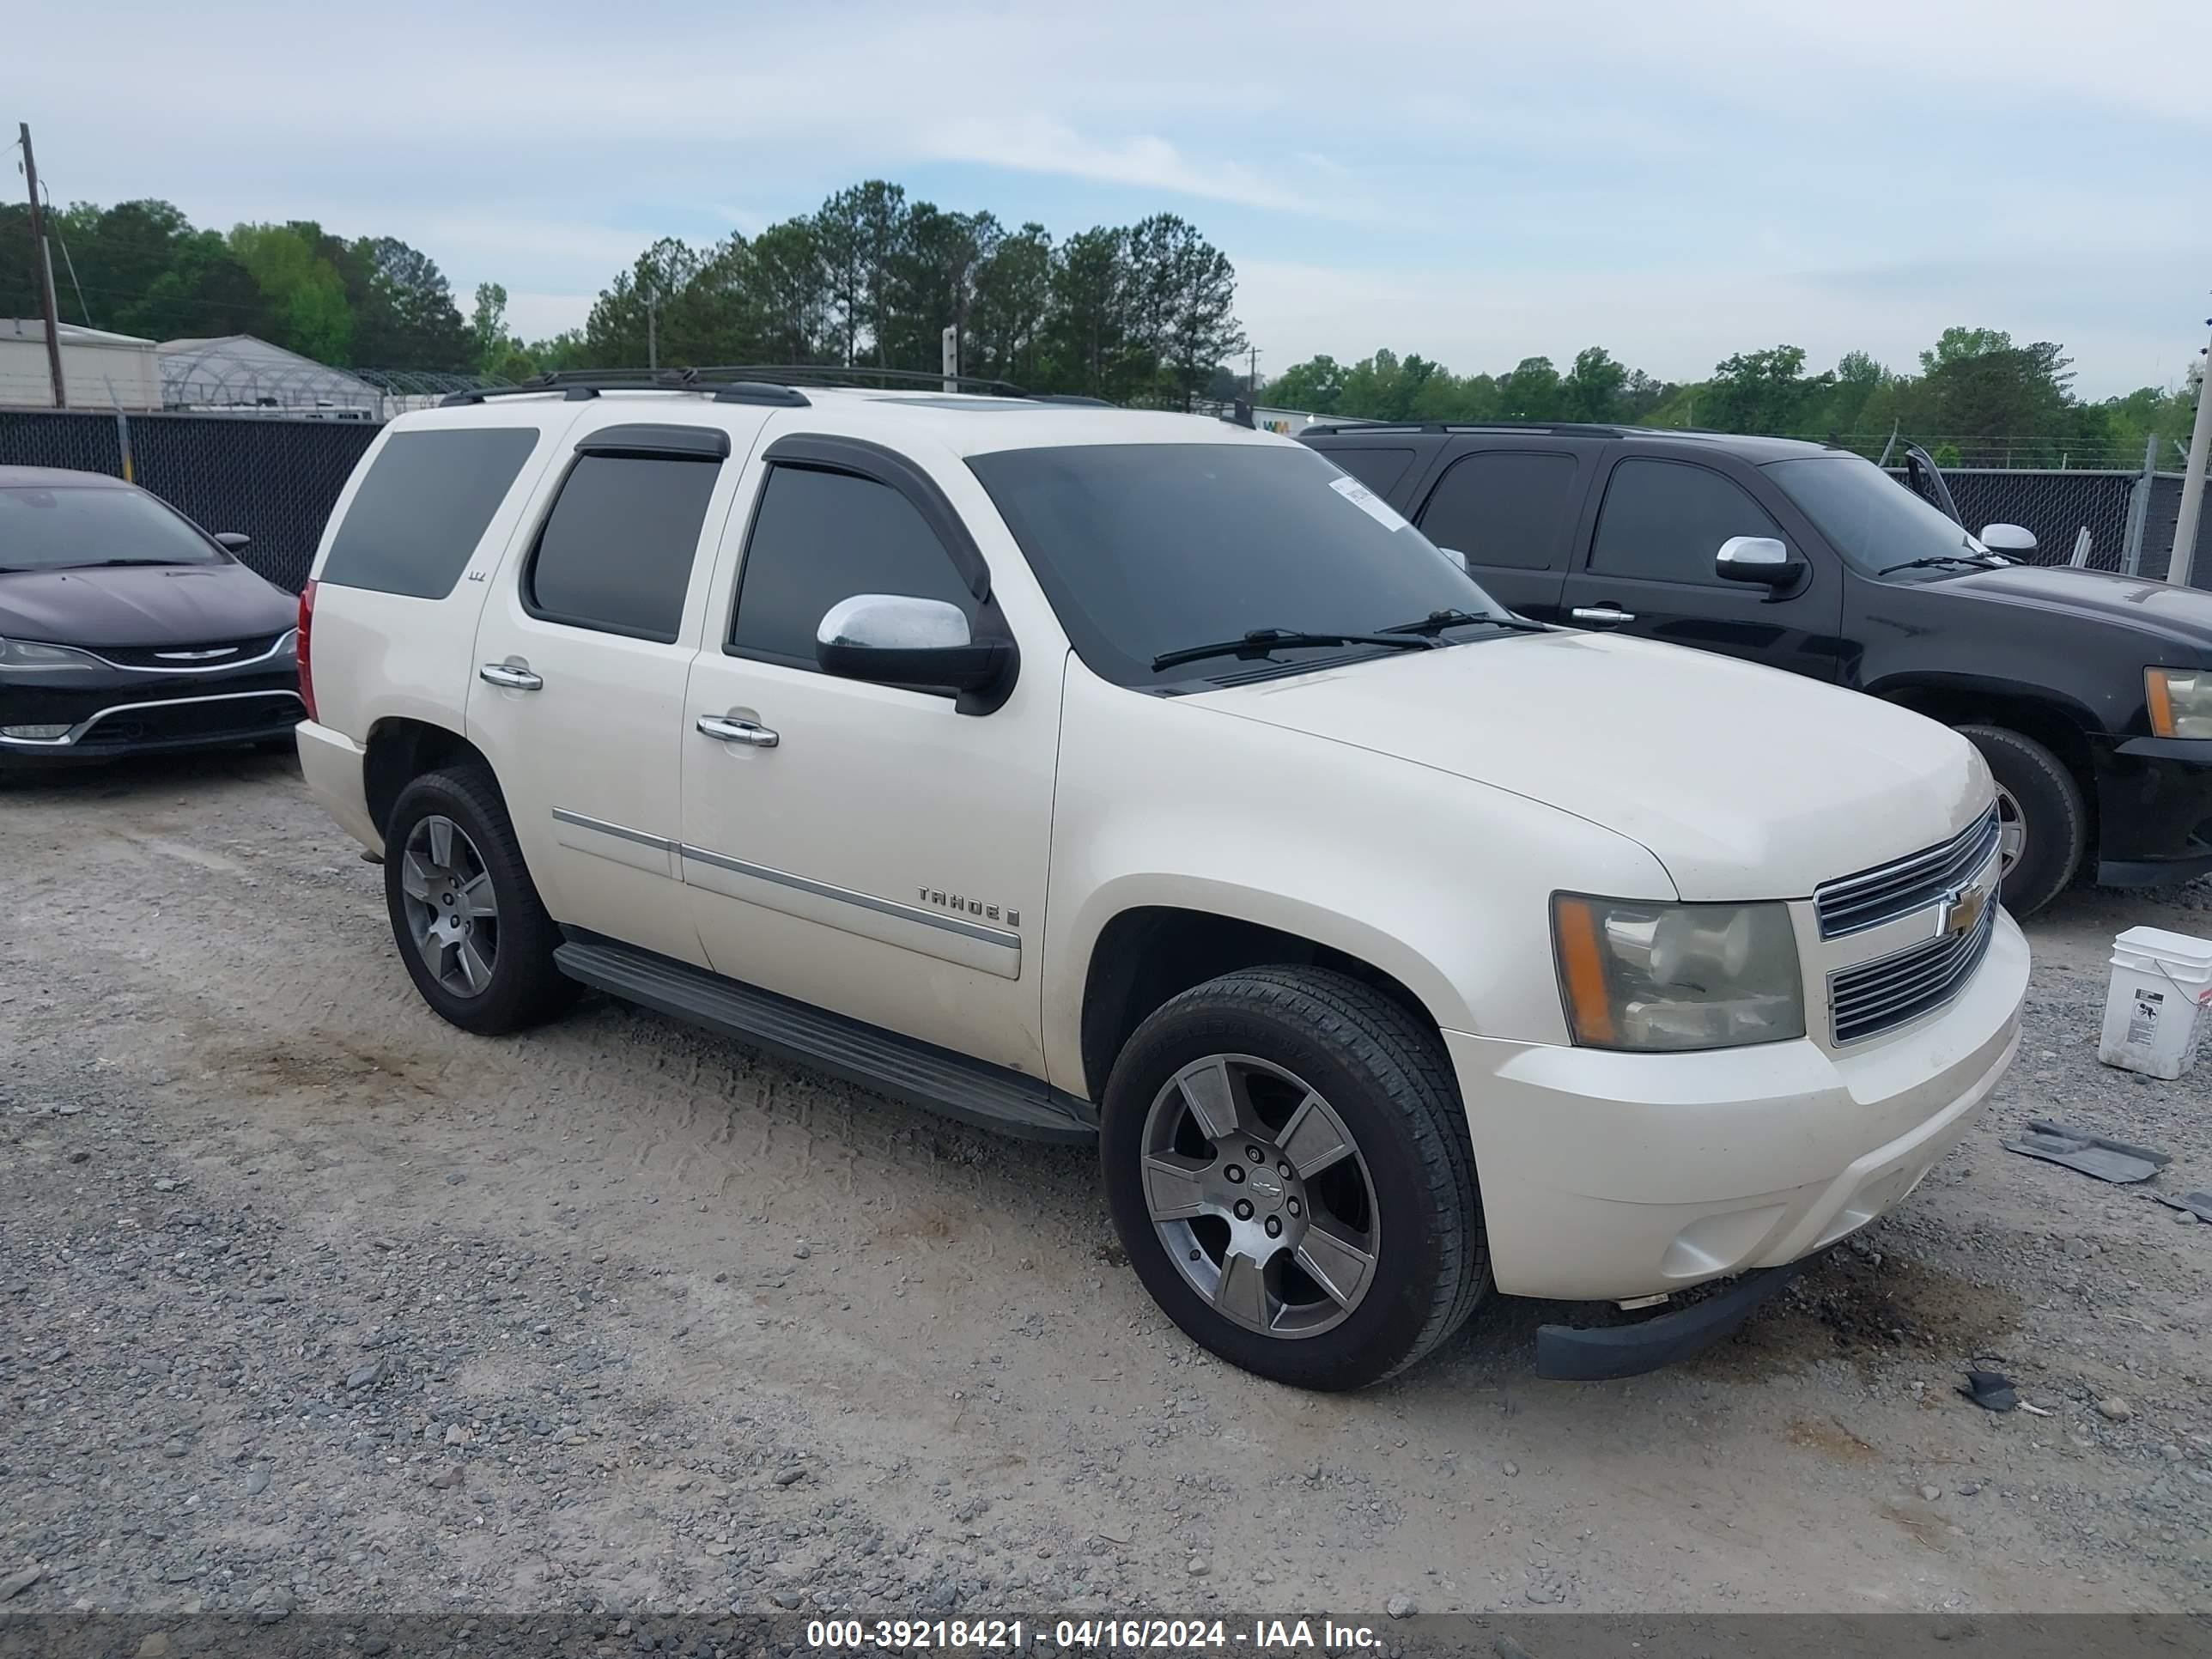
pixel 2158 1002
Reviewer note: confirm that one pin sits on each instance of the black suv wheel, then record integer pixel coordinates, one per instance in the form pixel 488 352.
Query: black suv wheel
pixel 1287 1163
pixel 470 925
pixel 2041 819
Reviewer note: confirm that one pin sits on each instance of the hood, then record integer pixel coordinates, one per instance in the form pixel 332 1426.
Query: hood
pixel 150 605
pixel 2182 615
pixel 1745 782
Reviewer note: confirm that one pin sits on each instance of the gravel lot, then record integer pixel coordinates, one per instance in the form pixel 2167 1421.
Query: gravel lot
pixel 307 1301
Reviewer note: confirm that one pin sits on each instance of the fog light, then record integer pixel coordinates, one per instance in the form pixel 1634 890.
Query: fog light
pixel 36 733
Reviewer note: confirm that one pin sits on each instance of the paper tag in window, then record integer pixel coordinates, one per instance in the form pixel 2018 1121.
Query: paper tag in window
pixel 1367 502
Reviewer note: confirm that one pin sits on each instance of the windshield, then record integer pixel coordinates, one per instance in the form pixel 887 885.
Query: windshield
pixel 56 529
pixel 1874 521
pixel 1149 549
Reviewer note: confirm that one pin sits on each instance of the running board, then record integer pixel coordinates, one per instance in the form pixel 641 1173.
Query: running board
pixel 937 1079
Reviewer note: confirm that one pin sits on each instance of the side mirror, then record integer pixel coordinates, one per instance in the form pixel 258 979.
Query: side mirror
pixel 2008 539
pixel 234 540
pixel 1456 557
pixel 1759 559
pixel 895 639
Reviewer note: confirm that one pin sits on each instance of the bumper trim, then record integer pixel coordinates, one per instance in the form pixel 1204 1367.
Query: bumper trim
pixel 69 739
pixel 1569 1353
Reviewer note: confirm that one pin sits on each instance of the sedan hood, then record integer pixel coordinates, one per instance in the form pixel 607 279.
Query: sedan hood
pixel 146 605
pixel 2182 615
pixel 1745 782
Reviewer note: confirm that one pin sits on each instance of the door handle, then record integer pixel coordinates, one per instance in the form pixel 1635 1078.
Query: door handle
pixel 750 732
pixel 510 676
pixel 1602 615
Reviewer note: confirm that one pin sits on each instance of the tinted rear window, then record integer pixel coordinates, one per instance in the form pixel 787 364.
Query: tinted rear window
pixel 1507 506
pixel 1378 469
pixel 617 548
pixel 421 511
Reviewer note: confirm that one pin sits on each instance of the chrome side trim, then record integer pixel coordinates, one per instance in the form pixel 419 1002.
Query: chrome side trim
pixel 76 732
pixel 224 666
pixel 621 832
pixel 966 929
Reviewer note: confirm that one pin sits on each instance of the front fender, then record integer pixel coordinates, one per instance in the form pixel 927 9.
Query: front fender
pixel 1443 884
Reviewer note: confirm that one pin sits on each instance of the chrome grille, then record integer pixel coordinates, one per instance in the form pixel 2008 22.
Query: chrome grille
pixel 1874 996
pixel 1851 904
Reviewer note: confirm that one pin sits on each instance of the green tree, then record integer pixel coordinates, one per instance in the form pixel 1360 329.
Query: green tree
pixel 1766 392
pixel 1006 336
pixel 1315 386
pixel 1186 302
pixel 1593 389
pixel 305 295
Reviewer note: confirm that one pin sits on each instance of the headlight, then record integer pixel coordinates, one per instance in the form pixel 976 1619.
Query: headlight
pixel 1637 974
pixel 2180 701
pixel 21 657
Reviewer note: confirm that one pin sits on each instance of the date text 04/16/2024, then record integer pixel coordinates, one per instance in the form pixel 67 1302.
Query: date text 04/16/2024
pixel 1088 1635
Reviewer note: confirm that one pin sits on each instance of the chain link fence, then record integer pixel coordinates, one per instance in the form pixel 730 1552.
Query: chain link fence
pixel 271 478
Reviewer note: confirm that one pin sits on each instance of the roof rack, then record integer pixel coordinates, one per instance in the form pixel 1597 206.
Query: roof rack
pixel 1556 428
pixel 752 383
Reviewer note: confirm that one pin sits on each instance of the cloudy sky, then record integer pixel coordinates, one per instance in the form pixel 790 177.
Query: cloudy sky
pixel 1674 179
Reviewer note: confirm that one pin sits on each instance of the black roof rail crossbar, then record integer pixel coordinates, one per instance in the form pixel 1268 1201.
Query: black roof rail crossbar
pixel 890 380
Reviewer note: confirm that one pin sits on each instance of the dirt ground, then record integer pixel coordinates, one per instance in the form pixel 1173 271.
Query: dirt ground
pixel 308 1301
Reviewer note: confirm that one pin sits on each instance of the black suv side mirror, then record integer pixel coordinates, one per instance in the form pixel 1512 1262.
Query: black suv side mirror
pixel 1759 559
pixel 895 639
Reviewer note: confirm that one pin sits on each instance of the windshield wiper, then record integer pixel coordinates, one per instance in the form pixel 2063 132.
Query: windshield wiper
pixel 1437 621
pixel 1972 562
pixel 1262 641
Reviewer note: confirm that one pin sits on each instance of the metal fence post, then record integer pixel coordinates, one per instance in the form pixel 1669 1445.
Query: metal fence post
pixel 2139 509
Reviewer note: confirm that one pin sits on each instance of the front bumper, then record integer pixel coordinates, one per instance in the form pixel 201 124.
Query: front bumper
pixel 128 711
pixel 1605 1176
pixel 2153 810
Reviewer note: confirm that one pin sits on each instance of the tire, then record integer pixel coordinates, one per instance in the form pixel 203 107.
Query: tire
pixel 521 987
pixel 2038 794
pixel 1384 1080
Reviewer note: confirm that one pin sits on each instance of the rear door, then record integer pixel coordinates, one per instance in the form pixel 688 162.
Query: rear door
pixel 582 655
pixel 1511 510
pixel 1649 570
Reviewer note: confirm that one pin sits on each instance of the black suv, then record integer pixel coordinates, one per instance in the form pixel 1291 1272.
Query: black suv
pixel 2089 694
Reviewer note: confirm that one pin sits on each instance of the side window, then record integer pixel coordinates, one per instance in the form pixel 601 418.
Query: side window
pixel 1378 469
pixel 421 511
pixel 1505 507
pixel 820 536
pixel 616 551
pixel 1664 521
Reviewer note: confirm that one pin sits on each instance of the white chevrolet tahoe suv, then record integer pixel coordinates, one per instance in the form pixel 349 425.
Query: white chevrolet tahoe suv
pixel 1135 778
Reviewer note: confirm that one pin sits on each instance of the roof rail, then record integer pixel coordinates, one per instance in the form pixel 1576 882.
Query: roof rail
pixel 753 383
pixel 1556 428
pixel 577 384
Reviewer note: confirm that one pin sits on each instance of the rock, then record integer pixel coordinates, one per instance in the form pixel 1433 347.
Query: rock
pixel 80 1155
pixel 156 1646
pixel 1512 1469
pixel 447 1477
pixel 361 1376
pixel 787 1599
pixel 256 1482
pixel 16 1582
pixel 802 1253
pixel 1401 1606
pixel 2115 1409
pixel 1931 1493
pixel 375 1646
pixel 174 1449
pixel 456 1435
pixel 1539 1594
pixel 786 1477
pixel 1198 1566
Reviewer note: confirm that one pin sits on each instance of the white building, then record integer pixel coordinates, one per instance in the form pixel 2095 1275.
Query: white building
pixel 99 370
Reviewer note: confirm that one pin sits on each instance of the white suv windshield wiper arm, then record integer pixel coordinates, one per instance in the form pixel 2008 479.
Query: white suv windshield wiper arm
pixel 1262 641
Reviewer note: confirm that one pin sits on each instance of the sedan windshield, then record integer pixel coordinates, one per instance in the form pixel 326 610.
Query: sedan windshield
pixel 65 529
pixel 1874 521
pixel 1147 551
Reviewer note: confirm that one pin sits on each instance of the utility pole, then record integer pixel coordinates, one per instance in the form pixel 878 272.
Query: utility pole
pixel 2192 483
pixel 1252 380
pixel 45 270
pixel 652 334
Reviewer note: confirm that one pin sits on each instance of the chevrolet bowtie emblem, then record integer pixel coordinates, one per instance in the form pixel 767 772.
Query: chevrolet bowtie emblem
pixel 1959 911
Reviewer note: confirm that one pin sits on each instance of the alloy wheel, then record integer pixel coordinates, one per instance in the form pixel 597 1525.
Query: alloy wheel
pixel 1261 1196
pixel 2011 832
pixel 453 914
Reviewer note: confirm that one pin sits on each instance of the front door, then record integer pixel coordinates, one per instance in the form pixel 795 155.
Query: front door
pixel 1650 572
pixel 870 850
pixel 581 656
